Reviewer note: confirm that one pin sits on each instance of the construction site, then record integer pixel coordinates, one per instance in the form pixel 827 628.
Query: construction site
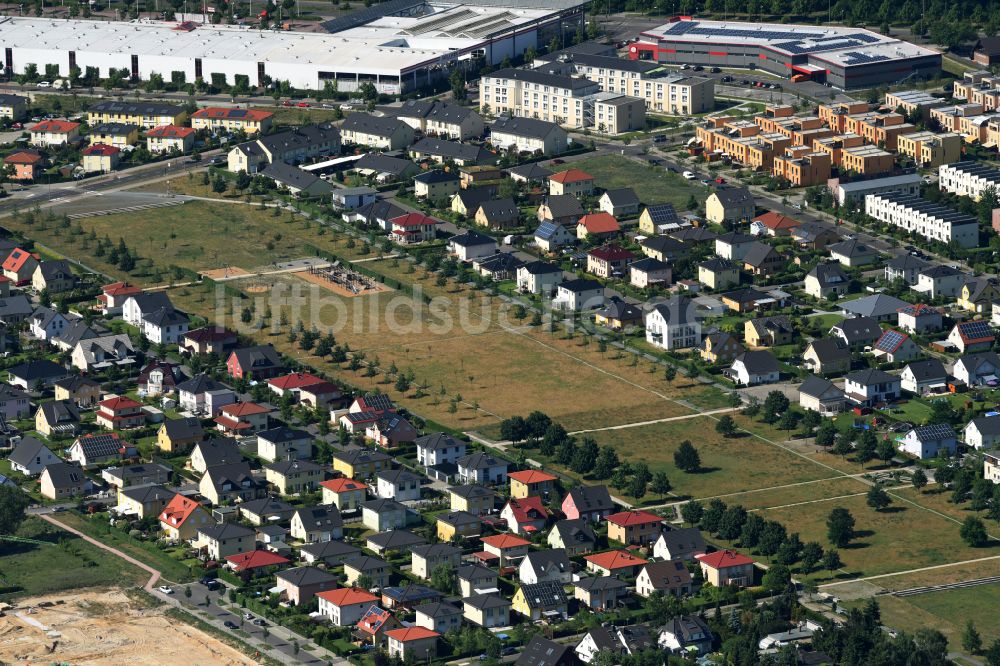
pixel 104 626
pixel 342 279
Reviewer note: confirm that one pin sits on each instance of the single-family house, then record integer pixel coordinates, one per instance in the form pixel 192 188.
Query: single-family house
pixel 54 419
pixel 858 332
pixel 679 543
pixel 634 527
pixel 345 493
pixel 575 536
pixel 718 273
pixel 769 331
pixel 600 593
pixel 182 518
pixel 482 468
pixel 541 601
pixel 871 387
pixel 620 203
pixel 476 499
pixel 827 356
pixel 818 394
pixel 545 566
pixel 730 206
pixel 475 579
pixel 667 577
pixel 686 634
pixel 920 318
pixel 982 433
pixel 592 503
pixel 293 476
pixel 299 585
pixel 425 559
pixel 317 523
pixel 827 281
pixel 926 376
pixel 91 450
pixel 525 516
pixel 895 347
pixel 972 336
pixel 230 482
pixel 213 452
pixel 754 367
pixel 398 484
pixel 852 253
pixel 927 441
pixel 977 369
pixel 61 480
pixel 619 563
pixel 486 610
pixel 344 606
pixel 383 514
pixel 30 456
pixel 727 567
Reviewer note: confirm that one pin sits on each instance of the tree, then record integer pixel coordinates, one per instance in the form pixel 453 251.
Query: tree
pixel 670 373
pixel 840 527
pixel 457 82
pixel 812 553
pixel 826 435
pixel 726 426
pixel 866 447
pixel 585 457
pixel 843 445
pixel 637 486
pixel 13 504
pixel 607 461
pixel 731 524
pixel 692 512
pixel 771 538
pixel 885 451
pixel 878 499
pixel 443 578
pixel 660 484
pixel 831 560
pixel 514 429
pixel 364 582
pixel 972 642
pixel 776 578
pixel 973 532
pixel 753 527
pixel 686 457
pixel 712 516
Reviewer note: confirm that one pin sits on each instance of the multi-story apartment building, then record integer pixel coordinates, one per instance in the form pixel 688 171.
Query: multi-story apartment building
pixel 968 179
pixel 930 220
pixel 880 129
pixel 980 87
pixel 835 115
pixel 976 128
pixel 805 170
pixel 913 102
pixel 929 149
pixel 533 94
pixel 867 160
pixel 674 94
pixel 949 117
pixel 834 146
pixel 615 114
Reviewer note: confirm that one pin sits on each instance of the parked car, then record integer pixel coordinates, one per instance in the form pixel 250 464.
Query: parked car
pixel 43 84
pixel 229 624
pixel 660 138
pixel 716 70
pixel 166 589
pixel 304 105
pixel 210 583
pixel 689 175
pixel 259 622
pixel 247 616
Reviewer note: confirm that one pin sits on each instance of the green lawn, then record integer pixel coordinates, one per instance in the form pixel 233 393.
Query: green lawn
pixel 651 184
pixel 63 562
pixel 729 465
pixel 947 611
pixel 172 567
pixel 900 538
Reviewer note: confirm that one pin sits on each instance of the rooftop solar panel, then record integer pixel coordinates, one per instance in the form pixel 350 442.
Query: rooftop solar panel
pixel 975 329
pixel 890 341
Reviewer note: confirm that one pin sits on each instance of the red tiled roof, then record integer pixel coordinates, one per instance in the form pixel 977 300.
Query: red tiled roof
pixel 721 559
pixel 412 220
pixel 773 220
pixel 411 634
pixel 170 132
pixel 23 157
pixel 238 409
pixel 373 620
pixel 610 252
pixel 121 289
pixel 531 476
pixel 570 176
pixel 525 507
pixel 343 484
pixel 504 541
pixel 599 223
pixel 101 149
pixel 615 559
pixel 16 259
pixel 347 596
pixel 629 518
pixel 178 510
pixel 55 126
pixel 294 380
pixel 120 402
pixel 231 113
pixel 256 559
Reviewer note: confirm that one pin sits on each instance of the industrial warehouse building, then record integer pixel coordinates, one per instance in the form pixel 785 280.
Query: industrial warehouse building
pixel 843 57
pixel 398 45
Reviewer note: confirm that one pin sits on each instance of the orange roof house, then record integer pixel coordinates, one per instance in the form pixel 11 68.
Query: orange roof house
pixel 26 163
pixel 412 642
pixel 294 380
pixel 571 181
pixel 570 176
pixel 505 547
pixel 20 265
pixel 727 567
pixel 597 224
pixel 344 492
pixel 182 518
pixel 634 527
pixel 526 514
pixel 530 482
pixel 345 606
pixel 372 627
pixel 115 294
pixel 255 559
pixel 249 120
pixel 242 418
pixel 776 224
pixel 614 563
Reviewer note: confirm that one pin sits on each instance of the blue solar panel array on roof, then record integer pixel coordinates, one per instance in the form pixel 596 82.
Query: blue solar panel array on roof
pixel 889 341
pixel 976 329
pixel 856 58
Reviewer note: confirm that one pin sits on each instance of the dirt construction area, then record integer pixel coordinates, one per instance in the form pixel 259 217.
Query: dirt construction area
pixel 102 626
pixel 222 273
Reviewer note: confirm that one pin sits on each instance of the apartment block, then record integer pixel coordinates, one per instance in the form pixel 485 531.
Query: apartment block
pixel 919 216
pixel 913 101
pixel 835 145
pixel 615 114
pixel 803 170
pixel 835 115
pixel 968 179
pixel 950 117
pixel 659 90
pixel 867 160
pixel 979 87
pixel 880 129
pixel 929 149
pixel 977 128
pixel 533 94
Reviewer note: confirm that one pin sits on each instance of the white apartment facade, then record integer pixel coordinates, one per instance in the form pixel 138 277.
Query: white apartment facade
pixel 919 216
pixel 968 179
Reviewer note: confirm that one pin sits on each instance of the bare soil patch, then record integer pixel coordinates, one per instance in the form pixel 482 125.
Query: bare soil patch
pixel 105 626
